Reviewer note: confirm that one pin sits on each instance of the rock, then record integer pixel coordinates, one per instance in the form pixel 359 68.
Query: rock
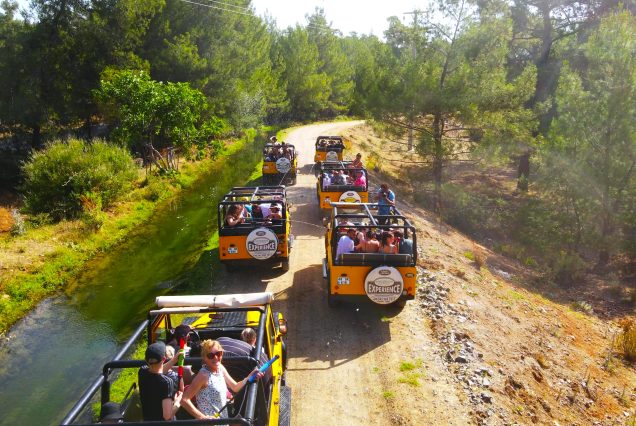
pixel 461 359
pixel 486 397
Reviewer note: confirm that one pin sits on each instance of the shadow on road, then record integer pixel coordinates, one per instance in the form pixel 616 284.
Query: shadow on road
pixel 328 337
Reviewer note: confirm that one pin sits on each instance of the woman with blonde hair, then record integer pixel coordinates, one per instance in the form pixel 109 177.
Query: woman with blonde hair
pixel 211 383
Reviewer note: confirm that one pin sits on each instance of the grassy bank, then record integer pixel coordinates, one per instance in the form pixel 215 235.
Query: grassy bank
pixel 46 256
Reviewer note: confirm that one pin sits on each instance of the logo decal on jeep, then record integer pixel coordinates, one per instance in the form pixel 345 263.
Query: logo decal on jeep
pixel 350 197
pixel 384 285
pixel 283 165
pixel 261 243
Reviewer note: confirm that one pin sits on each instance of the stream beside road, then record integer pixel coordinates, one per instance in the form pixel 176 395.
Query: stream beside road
pixel 55 352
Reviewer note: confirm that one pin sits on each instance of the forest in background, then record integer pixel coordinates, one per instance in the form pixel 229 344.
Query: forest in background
pixel 549 84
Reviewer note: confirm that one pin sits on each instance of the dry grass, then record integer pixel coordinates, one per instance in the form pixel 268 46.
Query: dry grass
pixel 6 220
pixel 627 338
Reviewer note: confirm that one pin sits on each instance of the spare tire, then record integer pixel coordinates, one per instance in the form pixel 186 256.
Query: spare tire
pixel 384 285
pixel 261 243
pixel 283 165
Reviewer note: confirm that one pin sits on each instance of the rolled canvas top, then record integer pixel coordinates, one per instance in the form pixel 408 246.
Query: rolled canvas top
pixel 218 301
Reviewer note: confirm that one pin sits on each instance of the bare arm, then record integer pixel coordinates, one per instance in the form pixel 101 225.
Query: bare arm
pixel 237 386
pixel 197 384
pixel 170 407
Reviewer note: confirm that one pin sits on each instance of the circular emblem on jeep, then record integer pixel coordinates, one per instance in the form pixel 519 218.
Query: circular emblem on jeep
pixel 350 197
pixel 261 243
pixel 384 285
pixel 331 156
pixel 283 165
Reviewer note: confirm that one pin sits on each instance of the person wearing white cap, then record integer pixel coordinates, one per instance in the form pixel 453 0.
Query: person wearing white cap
pixel 274 212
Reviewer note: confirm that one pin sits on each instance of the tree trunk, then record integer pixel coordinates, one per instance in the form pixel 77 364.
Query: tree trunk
pixel 36 138
pixel 523 171
pixel 438 128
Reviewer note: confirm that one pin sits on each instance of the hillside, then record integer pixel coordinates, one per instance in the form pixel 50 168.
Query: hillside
pixel 516 353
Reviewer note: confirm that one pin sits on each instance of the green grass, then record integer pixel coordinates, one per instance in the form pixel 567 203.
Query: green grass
pixel 388 395
pixel 409 366
pixel 411 378
pixel 469 255
pixel 412 372
pixel 125 379
pixel 75 244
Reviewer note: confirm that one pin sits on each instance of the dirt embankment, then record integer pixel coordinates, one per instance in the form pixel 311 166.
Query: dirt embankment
pixel 514 355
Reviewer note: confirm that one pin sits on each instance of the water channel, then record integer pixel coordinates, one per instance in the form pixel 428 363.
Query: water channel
pixel 52 355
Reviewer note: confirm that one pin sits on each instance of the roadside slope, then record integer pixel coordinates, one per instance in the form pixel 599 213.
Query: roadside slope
pixel 514 355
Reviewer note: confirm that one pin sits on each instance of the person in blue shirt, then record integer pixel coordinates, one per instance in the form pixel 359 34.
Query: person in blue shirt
pixel 386 202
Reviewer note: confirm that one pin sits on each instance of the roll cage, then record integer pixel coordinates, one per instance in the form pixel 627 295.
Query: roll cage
pixel 340 166
pixel 269 147
pixel 364 216
pixel 261 195
pixel 227 322
pixel 330 143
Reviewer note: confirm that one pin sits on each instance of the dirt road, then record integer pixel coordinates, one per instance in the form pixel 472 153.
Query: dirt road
pixel 354 365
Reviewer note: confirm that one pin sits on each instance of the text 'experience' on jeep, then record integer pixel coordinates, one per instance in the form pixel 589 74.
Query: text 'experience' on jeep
pixel 382 278
pixel 254 227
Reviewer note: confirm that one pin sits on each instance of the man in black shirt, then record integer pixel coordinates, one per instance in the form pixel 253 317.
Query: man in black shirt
pixel 158 392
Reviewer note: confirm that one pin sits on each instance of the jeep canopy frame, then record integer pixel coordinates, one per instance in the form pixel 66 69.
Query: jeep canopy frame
pixel 331 143
pixel 248 195
pixel 363 216
pixel 254 302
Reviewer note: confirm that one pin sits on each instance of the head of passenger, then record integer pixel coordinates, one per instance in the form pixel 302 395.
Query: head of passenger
pixel 256 210
pixel 155 353
pixel 235 209
pixel 249 335
pixel 211 351
pixel 370 235
pixel 387 238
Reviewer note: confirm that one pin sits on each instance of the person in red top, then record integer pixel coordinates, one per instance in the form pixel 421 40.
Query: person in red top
pixel 357 163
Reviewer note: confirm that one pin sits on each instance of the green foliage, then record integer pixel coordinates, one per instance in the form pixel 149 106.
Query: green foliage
pixel 308 89
pixel 58 178
pixel 152 112
pixel 589 155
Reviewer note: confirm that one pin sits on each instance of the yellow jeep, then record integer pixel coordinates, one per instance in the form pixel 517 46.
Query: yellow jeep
pixel 200 317
pixel 338 182
pixel 382 278
pixel 329 148
pixel 279 164
pixel 263 235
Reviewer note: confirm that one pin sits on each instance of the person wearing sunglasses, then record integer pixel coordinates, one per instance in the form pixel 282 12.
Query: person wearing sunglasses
pixel 211 384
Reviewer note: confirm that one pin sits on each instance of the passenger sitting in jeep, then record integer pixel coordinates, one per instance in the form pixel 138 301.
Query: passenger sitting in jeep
pixel 235 215
pixel 346 243
pixel 370 244
pixel 274 212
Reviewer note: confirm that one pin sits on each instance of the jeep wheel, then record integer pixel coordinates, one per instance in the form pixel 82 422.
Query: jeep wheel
pixel 399 304
pixel 285 265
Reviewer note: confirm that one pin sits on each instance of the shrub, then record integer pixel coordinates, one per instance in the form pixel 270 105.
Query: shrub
pixel 627 339
pixel 58 177
pixel 18 227
pixel 567 269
